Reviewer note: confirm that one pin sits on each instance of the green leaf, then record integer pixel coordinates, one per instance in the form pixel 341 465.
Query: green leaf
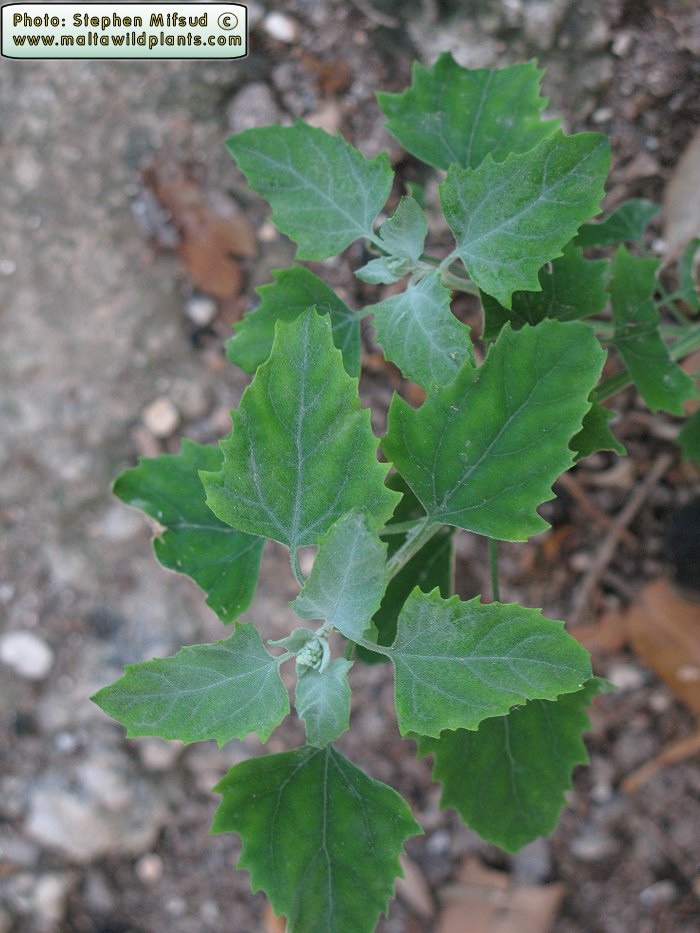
pixel 689 438
pixel 321 838
pixel 323 192
pixel 404 233
pixel 384 271
pixel 507 781
pixel 293 291
pixel 295 641
pixel 571 288
pixel 403 237
pixel 510 218
pixel 348 578
pixel 322 700
pixel 224 562
pixel 482 453
pixel 458 663
pixel 687 275
pixel 660 381
pixel 595 434
pixel 222 691
pixel 454 114
pixel 301 452
pixel 420 334
pixel 625 223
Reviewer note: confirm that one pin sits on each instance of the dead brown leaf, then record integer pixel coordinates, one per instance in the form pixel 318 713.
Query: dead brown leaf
pixel 682 199
pixel 691 365
pixel 271 922
pixel 413 889
pixel 664 632
pixel 487 901
pixel 214 231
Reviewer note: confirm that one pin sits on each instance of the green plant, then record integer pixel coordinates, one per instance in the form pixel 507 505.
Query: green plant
pixel 495 692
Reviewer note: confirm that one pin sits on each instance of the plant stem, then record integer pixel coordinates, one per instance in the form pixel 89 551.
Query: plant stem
pixel 493 564
pixel 615 384
pixel 458 284
pixel 422 533
pixel 296 569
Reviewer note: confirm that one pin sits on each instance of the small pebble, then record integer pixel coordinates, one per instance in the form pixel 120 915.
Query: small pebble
pixel 268 232
pixel 533 863
pixel 191 398
pixel 161 417
pixel 660 702
pixel 592 846
pixel 97 893
pixel 621 44
pixel 65 743
pixel 601 793
pixel 27 655
pixel 201 309
pixel 626 676
pixel 176 906
pixel 281 27
pixel 49 898
pixel 253 106
pixel 149 868
pixel 159 755
pixel 661 892
pixel 602 115
pixel 438 843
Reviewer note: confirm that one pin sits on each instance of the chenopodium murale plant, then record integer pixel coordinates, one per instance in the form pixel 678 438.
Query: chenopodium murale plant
pixel 494 692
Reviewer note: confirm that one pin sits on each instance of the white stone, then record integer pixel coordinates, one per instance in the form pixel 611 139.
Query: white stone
pixel 268 232
pixel 626 676
pixel 661 892
pixel 27 655
pixel 191 398
pixel 50 895
pixel 253 106
pixel 161 417
pixel 201 309
pixel 281 27
pixel 149 868
pixel 102 806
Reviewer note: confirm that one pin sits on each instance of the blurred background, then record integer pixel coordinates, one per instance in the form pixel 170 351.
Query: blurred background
pixel 129 245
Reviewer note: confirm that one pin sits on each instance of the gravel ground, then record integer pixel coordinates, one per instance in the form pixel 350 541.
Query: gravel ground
pixel 108 351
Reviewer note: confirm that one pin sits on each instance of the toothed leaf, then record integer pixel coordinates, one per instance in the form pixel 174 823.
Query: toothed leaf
pixel 221 691
pixel 320 837
pixel 301 452
pixel 323 192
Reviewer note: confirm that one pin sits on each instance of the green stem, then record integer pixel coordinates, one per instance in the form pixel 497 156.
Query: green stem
pixel 458 284
pixel 375 241
pixel 615 384
pixel 422 533
pixel 493 564
pixel 296 569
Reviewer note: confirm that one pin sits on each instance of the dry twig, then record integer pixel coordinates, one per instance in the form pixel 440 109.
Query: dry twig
pixel 577 492
pixel 605 554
